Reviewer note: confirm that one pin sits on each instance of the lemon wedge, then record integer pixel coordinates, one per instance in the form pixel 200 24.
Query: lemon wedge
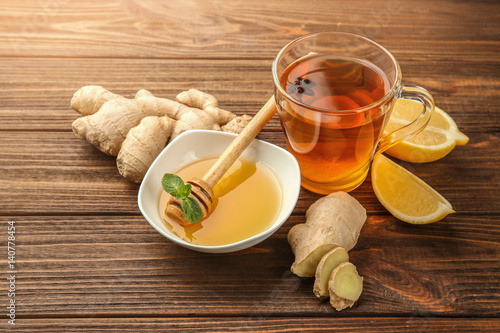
pixel 406 196
pixel 439 137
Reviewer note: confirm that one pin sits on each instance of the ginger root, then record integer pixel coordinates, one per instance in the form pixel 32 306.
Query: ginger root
pixel 334 220
pixel 345 286
pixel 320 245
pixel 237 124
pixel 326 265
pixel 142 145
pixel 136 130
pixel 89 99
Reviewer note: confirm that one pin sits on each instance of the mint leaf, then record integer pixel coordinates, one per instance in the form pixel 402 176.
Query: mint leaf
pixel 172 184
pixel 184 192
pixel 192 209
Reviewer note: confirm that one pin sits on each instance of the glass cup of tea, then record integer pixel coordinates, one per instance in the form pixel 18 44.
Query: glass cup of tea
pixel 334 95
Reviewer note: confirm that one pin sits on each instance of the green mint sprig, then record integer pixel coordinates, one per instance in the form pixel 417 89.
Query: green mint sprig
pixel 174 185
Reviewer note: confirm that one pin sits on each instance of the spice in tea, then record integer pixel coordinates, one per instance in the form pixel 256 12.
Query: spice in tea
pixel 334 83
pixel 329 142
pixel 248 202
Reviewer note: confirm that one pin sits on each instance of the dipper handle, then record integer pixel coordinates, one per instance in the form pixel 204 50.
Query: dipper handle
pixel 234 150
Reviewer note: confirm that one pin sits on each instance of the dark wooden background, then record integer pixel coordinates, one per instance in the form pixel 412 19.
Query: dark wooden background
pixel 86 259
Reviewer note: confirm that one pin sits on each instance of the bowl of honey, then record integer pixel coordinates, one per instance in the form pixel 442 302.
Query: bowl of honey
pixel 254 197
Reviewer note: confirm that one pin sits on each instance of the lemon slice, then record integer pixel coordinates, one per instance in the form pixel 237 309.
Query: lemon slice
pixel 406 196
pixel 439 137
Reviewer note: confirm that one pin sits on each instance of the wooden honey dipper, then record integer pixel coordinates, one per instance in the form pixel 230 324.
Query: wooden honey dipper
pixel 201 189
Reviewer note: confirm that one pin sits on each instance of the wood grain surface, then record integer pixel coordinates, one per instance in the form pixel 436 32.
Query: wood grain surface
pixel 86 259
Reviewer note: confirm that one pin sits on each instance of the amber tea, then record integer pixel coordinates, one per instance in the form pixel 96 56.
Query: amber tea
pixel 334 93
pixel 328 143
pixel 334 83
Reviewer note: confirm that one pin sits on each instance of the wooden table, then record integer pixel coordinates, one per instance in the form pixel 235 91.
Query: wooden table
pixel 86 259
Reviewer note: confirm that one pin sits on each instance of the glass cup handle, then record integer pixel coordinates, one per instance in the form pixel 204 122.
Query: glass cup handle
pixel 418 94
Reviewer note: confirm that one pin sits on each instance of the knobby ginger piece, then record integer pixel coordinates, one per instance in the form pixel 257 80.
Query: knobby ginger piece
pixel 89 99
pixel 345 286
pixel 142 145
pixel 229 122
pixel 109 120
pixel 237 124
pixel 334 220
pixel 203 101
pixel 107 128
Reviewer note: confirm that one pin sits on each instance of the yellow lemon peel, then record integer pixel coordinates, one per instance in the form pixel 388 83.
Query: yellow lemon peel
pixel 438 139
pixel 406 196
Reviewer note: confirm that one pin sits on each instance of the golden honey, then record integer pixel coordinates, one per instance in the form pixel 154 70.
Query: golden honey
pixel 248 201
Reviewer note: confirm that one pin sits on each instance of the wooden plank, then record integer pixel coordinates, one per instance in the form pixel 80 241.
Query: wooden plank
pixel 242 29
pixel 119 265
pixel 86 258
pixel 56 173
pixel 417 323
pixel 28 103
pixel 36 93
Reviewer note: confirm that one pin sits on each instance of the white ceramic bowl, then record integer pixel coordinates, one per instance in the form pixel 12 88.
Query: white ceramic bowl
pixel 198 144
